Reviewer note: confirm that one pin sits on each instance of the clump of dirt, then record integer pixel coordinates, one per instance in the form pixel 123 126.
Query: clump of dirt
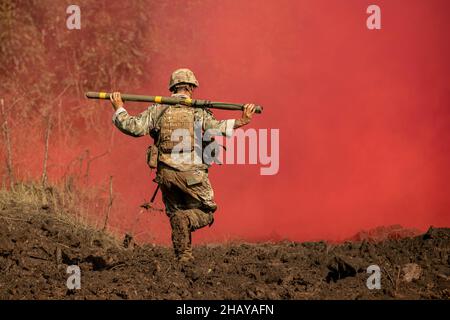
pixel 36 249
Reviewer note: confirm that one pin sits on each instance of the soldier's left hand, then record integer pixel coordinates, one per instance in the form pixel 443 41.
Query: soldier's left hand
pixel 249 110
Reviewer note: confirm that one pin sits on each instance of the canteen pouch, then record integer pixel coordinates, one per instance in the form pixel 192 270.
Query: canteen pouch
pixel 152 156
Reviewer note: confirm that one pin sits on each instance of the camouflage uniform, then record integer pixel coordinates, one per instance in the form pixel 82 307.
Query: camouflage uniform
pixel 186 190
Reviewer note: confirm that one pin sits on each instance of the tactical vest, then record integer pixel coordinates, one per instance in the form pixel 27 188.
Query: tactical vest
pixel 176 118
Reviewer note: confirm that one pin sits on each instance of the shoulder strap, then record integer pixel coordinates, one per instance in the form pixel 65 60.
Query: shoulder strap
pixel 161 115
pixel 157 122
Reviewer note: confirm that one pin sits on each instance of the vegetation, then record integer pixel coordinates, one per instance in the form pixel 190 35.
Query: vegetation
pixel 44 70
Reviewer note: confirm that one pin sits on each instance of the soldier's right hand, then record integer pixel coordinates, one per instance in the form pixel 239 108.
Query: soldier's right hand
pixel 116 100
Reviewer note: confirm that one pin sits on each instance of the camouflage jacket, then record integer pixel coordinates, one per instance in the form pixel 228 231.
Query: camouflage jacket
pixel 142 124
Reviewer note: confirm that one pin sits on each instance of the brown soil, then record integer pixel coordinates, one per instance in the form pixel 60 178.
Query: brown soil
pixel 36 248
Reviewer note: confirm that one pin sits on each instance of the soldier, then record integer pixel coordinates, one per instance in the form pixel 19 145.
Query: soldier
pixel 186 190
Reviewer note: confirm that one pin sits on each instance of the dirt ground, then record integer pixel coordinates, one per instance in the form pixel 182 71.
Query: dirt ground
pixel 37 247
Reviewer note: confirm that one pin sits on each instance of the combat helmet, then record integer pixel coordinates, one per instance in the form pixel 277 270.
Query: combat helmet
pixel 182 76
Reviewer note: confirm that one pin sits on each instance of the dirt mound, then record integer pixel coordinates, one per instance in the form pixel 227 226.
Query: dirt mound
pixel 36 248
pixel 383 233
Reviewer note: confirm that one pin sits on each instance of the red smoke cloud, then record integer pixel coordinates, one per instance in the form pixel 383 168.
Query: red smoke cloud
pixel 363 115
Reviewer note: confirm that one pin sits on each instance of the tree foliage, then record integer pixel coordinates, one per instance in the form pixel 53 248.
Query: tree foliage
pixel 45 68
pixel 40 57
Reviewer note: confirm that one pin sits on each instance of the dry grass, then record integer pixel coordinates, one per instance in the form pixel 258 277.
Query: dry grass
pixel 63 203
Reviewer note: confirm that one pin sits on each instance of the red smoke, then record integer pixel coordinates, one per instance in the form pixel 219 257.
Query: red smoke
pixel 363 116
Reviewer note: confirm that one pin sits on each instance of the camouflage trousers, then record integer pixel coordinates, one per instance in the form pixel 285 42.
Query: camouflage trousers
pixel 189 201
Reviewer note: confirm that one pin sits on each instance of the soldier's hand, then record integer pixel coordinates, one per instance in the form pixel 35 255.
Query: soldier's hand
pixel 116 100
pixel 247 113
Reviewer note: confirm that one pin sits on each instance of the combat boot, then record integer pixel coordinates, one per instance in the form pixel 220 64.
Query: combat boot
pixel 181 236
